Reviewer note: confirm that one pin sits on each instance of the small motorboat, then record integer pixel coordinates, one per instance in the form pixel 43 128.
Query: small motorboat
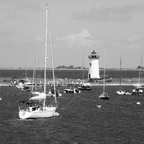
pixel 85 86
pixel 74 91
pixel 121 92
pixel 137 91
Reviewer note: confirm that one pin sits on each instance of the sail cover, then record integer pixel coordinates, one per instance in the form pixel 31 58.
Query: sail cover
pixel 39 97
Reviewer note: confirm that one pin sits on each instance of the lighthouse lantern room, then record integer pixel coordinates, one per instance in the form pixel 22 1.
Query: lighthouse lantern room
pixel 94 66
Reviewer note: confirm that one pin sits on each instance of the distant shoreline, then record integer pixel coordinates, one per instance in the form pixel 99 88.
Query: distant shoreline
pixel 12 68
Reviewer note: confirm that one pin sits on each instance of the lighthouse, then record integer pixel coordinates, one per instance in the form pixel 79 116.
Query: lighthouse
pixel 94 66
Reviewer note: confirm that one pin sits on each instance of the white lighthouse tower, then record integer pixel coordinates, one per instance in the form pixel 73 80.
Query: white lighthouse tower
pixel 94 66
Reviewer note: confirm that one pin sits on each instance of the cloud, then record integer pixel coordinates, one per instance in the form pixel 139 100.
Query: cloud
pixel 79 40
pixel 7 5
pixel 14 16
pixel 39 39
pixel 108 13
pixel 28 5
pixel 5 33
pixel 131 42
pixel 84 40
pixel 134 38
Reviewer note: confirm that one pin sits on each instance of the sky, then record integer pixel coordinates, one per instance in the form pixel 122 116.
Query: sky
pixel 113 28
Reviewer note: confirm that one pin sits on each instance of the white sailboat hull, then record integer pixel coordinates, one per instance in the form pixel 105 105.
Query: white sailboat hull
pixel 38 96
pixel 45 113
pixel 104 95
pixel 120 92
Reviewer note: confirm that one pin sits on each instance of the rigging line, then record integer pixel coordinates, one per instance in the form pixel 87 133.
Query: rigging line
pixel 52 57
pixel 25 64
pixel 120 72
pixel 83 68
pixel 45 53
pixel 34 72
pixel 140 71
pixel 104 70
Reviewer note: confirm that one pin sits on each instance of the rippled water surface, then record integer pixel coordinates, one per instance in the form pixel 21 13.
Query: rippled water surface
pixel 119 120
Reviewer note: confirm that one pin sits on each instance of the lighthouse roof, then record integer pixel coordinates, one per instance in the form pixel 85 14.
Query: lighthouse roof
pixel 93 52
pixel 93 55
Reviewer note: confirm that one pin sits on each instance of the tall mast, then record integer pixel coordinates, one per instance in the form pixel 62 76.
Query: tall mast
pixel 83 68
pixel 25 65
pixel 140 71
pixel 45 54
pixel 34 72
pixel 104 70
pixel 51 50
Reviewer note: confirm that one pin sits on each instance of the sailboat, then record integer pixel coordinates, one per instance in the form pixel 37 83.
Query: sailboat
pixel 23 83
pixel 39 109
pixel 121 92
pixel 26 82
pixel 138 87
pixel 83 85
pixel 104 94
pixel 36 95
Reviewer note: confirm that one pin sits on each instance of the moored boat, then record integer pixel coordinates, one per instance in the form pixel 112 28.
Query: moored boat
pixel 73 91
pixel 104 94
pixel 28 110
pixel 39 109
pixel 120 91
pixel 85 86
